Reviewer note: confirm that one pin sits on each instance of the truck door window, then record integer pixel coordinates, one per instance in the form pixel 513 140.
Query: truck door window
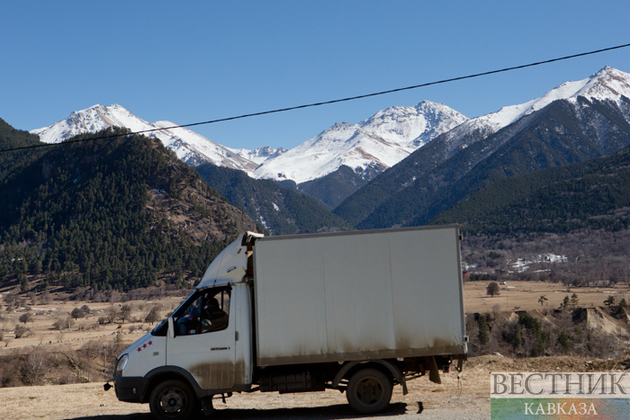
pixel 215 313
pixel 207 312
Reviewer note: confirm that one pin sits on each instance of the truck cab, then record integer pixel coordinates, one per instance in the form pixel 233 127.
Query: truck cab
pixel 202 349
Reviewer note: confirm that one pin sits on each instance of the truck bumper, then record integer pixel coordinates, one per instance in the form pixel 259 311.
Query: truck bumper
pixel 130 389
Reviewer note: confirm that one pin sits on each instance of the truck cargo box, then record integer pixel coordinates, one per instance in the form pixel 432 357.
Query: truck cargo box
pixel 358 295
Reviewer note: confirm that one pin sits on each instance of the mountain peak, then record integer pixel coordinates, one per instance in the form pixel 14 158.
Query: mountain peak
pixel 190 147
pixel 380 141
pixel 404 125
pixel 607 83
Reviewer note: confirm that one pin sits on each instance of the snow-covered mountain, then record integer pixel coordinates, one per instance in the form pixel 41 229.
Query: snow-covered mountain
pixel 608 84
pixel 192 148
pixel 260 154
pixel 574 122
pixel 368 147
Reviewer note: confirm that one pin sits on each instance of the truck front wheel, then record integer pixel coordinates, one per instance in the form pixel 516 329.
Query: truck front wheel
pixel 173 400
pixel 369 391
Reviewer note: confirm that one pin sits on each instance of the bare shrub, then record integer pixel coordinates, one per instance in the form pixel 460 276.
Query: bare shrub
pixel 62 323
pixel 154 314
pixel 21 331
pixel 35 365
pixel 10 373
pixel 26 317
pixel 125 312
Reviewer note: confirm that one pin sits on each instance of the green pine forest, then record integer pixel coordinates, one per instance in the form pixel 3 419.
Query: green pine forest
pixel 591 195
pixel 283 210
pixel 104 214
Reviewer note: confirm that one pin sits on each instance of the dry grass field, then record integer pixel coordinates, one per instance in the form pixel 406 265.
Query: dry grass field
pixel 524 295
pixel 515 295
pixel 464 396
pixel 81 330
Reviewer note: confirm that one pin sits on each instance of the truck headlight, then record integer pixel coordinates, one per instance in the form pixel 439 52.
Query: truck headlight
pixel 121 364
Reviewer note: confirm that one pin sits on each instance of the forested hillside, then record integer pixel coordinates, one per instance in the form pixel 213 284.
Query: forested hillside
pixel 109 214
pixel 577 216
pixel 12 138
pixel 279 210
pixel 590 195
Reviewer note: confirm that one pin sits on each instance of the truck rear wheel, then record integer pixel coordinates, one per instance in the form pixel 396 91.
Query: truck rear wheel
pixel 173 400
pixel 369 391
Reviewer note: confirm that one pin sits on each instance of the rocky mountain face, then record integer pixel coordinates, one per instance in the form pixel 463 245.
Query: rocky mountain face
pixel 320 165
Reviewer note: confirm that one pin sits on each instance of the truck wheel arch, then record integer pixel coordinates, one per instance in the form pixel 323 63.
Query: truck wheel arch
pixel 365 364
pixel 167 373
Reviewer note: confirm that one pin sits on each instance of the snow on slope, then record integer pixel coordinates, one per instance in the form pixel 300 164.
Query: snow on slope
pixel 368 148
pixel 189 146
pixel 341 144
pixel 606 84
pixel 412 127
pixel 260 154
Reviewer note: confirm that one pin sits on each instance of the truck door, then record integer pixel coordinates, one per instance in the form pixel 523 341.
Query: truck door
pixel 204 342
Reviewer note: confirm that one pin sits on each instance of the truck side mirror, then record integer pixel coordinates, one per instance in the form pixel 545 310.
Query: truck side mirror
pixel 171 327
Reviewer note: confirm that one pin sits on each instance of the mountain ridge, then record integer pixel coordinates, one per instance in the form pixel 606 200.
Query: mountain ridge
pixel 401 195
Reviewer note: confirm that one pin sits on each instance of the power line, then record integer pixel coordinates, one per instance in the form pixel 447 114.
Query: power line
pixel 330 102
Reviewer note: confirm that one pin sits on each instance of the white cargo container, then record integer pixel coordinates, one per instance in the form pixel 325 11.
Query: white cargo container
pixel 356 311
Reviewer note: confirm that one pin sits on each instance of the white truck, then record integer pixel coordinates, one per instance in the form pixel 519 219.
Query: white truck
pixel 355 311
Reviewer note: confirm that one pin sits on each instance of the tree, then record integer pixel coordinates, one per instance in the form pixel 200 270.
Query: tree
pixel 125 313
pixel 492 289
pixel 565 342
pixel 24 284
pixel 35 366
pixel 21 331
pixel 542 300
pixel 61 323
pixel 621 308
pixel 517 340
pixel 484 337
pixel 574 301
pixel 609 301
pixel 153 315
pixel 77 313
pixel 86 310
pixel 26 317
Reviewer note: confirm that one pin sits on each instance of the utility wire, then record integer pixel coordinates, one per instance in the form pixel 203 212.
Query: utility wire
pixel 333 101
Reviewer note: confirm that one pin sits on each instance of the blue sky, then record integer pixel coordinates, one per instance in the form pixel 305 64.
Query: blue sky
pixel 190 61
